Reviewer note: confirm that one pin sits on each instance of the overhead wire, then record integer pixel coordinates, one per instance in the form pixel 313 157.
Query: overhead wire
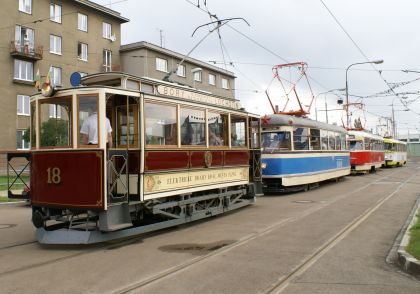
pixel 391 89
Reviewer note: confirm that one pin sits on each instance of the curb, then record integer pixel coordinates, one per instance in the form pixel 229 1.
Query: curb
pixel 11 203
pixel 406 261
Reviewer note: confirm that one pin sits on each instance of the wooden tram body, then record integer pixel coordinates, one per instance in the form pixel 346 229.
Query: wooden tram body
pixel 298 153
pixel 366 151
pixel 165 167
pixel 395 152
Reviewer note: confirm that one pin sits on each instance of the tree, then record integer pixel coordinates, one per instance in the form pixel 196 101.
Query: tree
pixel 55 132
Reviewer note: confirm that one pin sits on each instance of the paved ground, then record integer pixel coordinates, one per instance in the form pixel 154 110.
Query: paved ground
pixel 333 239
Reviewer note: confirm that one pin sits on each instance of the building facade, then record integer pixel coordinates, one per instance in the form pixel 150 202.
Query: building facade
pixel 58 37
pixel 144 59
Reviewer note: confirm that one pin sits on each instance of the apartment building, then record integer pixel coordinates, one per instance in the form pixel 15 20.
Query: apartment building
pixel 56 36
pixel 144 59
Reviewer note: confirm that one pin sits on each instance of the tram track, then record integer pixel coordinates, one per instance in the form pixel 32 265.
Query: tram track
pixel 187 264
pixel 284 281
pixel 195 261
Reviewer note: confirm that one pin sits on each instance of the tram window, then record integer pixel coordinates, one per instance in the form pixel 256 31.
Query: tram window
pixel 88 120
pixel 368 144
pixel 324 140
pixel 277 141
pixel 344 142
pixel 331 140
pixel 255 132
pixel 315 139
pixel 337 141
pixel 388 146
pixel 33 120
pixel 238 131
pixel 127 129
pixel 192 127
pixel 161 126
pixel 218 129
pixel 56 129
pixel 356 145
pixel 301 139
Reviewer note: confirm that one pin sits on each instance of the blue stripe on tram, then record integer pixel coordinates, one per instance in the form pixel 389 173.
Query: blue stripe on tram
pixel 286 166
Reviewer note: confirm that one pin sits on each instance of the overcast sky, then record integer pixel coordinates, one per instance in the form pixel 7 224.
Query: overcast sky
pixel 298 30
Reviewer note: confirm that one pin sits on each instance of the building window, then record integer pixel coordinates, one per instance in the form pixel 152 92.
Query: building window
pixel 55 44
pixel 181 70
pixel 107 60
pixel 25 6
pixel 197 76
pixel 55 12
pixel 161 64
pixel 54 111
pixel 21 143
pixel 106 30
pixel 225 84
pixel 56 76
pixel 212 79
pixel 22 105
pixel 82 22
pixel 24 37
pixel 24 70
pixel 82 51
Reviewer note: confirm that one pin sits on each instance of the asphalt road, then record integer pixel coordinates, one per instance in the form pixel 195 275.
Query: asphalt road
pixel 333 239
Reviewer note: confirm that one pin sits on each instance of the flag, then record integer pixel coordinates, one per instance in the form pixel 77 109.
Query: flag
pixel 37 80
pixel 48 79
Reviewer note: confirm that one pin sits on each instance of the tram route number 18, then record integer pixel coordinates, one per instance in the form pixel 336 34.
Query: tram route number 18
pixel 54 176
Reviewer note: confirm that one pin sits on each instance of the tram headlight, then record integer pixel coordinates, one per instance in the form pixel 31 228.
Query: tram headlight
pixel 263 165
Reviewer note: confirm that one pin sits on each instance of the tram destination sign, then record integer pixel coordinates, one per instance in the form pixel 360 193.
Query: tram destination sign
pixel 197 97
pixel 184 180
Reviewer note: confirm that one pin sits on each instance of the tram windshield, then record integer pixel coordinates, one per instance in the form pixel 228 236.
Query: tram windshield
pixel 276 141
pixel 356 145
pixel 55 122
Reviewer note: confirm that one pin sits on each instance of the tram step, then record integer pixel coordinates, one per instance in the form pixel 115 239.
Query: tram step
pixel 115 218
pixel 116 227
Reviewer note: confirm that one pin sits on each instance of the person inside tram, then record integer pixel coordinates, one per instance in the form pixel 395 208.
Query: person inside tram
pixel 89 129
pixel 275 142
pixel 215 140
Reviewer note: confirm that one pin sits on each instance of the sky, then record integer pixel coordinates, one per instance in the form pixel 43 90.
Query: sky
pixel 284 31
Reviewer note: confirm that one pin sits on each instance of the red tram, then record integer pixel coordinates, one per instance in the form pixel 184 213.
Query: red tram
pixel 366 151
pixel 175 154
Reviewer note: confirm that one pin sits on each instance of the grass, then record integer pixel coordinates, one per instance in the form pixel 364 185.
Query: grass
pixel 414 246
pixel 18 185
pixel 4 199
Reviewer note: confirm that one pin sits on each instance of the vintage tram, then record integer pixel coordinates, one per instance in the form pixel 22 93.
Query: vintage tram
pixel 395 152
pixel 298 153
pixel 366 151
pixel 174 155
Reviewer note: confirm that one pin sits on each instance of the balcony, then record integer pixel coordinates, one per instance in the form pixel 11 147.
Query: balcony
pixel 26 51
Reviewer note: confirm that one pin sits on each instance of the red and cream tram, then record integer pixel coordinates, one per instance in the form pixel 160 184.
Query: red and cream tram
pixel 174 155
pixel 366 151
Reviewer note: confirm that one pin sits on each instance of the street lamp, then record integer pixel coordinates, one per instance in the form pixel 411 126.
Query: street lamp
pixel 326 111
pixel 347 85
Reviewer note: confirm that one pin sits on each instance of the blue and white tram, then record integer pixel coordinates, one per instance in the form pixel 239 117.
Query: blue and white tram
pixel 298 153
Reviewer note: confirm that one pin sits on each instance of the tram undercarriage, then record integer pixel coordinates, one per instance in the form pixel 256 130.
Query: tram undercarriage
pixel 56 226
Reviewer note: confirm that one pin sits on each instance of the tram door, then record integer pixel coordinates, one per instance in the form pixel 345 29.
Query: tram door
pixel 124 154
pixel 254 135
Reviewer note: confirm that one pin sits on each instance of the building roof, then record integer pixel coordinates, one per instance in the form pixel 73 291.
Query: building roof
pixel 102 9
pixel 147 45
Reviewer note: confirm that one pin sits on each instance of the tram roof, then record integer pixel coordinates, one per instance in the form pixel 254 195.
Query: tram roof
pixel 289 120
pixel 358 135
pixel 392 140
